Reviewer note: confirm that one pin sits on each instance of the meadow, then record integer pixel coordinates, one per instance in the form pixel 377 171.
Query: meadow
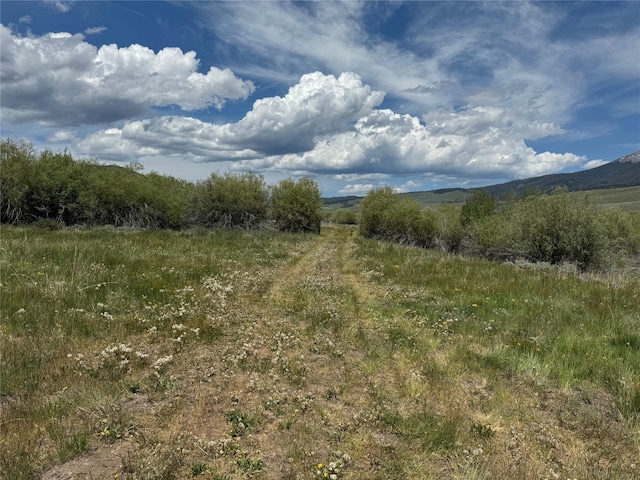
pixel 156 354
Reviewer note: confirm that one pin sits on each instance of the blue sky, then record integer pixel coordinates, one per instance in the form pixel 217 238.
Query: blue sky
pixel 356 95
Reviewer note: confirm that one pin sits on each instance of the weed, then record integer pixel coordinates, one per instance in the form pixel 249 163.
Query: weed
pixel 240 422
pixel 250 466
pixel 198 469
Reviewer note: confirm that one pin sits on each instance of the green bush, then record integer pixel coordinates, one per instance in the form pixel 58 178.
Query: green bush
pixel 17 161
pixel 297 206
pixel 478 206
pixel 494 237
pixel 450 229
pixel 346 216
pixel 230 201
pixel 385 215
pixel 559 227
pixel 622 230
pixel 373 210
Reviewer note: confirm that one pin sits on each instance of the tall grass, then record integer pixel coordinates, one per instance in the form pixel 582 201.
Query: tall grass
pixel 271 355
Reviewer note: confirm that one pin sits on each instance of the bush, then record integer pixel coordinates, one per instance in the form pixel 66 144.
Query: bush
pixel 297 206
pixel 559 227
pixel 494 237
pixel 478 206
pixel 230 201
pixel 346 216
pixel 373 209
pixel 16 172
pixel 450 230
pixel 622 230
pixel 385 215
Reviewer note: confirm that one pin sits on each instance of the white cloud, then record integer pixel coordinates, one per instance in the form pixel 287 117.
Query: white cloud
pixel 94 30
pixel 62 136
pixel 59 79
pixel 473 143
pixel 330 126
pixel 25 19
pixel 356 189
pixel 60 5
pixel 511 55
pixel 316 107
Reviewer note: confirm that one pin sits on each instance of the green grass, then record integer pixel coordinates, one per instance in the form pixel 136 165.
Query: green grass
pixel 236 355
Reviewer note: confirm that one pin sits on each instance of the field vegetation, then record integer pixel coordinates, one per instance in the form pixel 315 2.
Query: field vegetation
pixel 53 190
pixel 152 328
pixel 556 228
pixel 224 354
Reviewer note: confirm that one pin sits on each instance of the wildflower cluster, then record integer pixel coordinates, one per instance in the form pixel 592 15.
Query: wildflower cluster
pixel 333 469
pixel 180 332
pixel 159 366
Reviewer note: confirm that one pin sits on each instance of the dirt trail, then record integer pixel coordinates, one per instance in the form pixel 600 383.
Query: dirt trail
pixel 269 395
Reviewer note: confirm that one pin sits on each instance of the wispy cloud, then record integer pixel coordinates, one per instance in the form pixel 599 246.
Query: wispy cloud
pixel 94 30
pixel 63 6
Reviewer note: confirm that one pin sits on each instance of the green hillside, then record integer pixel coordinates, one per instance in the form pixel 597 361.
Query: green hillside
pixel 615 184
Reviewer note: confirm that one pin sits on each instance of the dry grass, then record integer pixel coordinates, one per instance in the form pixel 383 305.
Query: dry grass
pixel 292 357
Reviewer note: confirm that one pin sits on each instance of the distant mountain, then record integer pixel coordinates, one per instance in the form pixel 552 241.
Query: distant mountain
pixel 623 172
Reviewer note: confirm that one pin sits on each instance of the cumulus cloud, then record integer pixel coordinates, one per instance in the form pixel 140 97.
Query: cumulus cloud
pixel 478 142
pixel 356 189
pixel 59 79
pixel 330 126
pixel 318 106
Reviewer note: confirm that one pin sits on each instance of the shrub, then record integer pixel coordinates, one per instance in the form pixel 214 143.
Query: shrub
pixel 559 227
pixel 230 201
pixel 478 206
pixel 373 209
pixel 346 216
pixel 494 237
pixel 450 230
pixel 16 171
pixel 297 206
pixel 385 215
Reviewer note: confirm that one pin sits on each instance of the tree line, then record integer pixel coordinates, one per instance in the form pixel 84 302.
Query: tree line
pixel 555 228
pixel 52 189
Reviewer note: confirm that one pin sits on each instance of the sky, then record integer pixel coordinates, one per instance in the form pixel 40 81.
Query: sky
pixel 416 95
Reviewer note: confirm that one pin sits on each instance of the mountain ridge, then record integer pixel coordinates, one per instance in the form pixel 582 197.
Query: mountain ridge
pixel 619 173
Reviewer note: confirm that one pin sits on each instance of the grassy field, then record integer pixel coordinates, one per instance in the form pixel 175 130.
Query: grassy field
pixel 626 199
pixel 225 355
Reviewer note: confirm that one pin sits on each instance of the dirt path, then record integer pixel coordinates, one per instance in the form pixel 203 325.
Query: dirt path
pixel 269 397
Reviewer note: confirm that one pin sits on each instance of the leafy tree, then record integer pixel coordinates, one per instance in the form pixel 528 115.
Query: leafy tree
pixel 297 206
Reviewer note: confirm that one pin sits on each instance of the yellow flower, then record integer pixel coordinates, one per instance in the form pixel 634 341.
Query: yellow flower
pixel 320 465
